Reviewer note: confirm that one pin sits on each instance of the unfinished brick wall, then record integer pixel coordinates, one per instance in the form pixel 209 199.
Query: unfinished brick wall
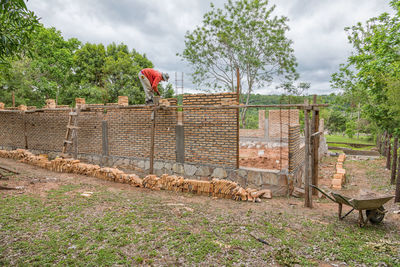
pixel 258 133
pixel 12 129
pixel 278 119
pixel 210 134
pixel 296 151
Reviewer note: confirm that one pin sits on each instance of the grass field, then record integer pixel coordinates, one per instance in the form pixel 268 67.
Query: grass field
pixel 346 139
pixel 130 226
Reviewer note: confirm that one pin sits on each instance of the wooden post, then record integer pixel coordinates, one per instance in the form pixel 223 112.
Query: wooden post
pixel 152 133
pixel 394 162
pixel 307 195
pixel 388 152
pixel 315 159
pixel 75 132
pixel 104 131
pixel 13 99
pixel 237 117
pixel 397 195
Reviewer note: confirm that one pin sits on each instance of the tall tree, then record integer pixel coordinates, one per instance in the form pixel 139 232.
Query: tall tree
pixel 245 35
pixel 16 25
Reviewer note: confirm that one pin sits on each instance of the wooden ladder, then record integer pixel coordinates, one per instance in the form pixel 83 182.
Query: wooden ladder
pixel 71 136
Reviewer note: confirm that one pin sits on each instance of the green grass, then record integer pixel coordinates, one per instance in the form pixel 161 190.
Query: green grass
pixel 134 227
pixel 365 148
pixel 355 140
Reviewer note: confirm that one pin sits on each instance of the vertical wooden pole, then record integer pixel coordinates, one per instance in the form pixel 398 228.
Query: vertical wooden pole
pixel 152 134
pixel 13 99
pixel 315 156
pixel 394 162
pixel 397 195
pixel 237 117
pixel 388 152
pixel 75 132
pixel 307 195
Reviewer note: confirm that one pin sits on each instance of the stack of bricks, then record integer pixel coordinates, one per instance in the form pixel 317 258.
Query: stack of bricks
pixel 339 178
pixel 123 101
pixel 80 102
pixel 216 188
pixel 50 103
pixel 2 106
pixel 210 134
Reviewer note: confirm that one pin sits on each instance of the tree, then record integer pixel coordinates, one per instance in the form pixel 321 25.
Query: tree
pixel 243 35
pixel 374 69
pixel 16 25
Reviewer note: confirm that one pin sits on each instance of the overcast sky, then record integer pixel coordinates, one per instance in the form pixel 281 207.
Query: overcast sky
pixel 157 28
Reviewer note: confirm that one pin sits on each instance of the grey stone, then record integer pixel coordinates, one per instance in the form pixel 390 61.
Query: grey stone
pixel 147 165
pixel 242 173
pixel 96 160
pixel 219 173
pixel 126 162
pixel 158 165
pixel 158 172
pixel 203 171
pixel 168 166
pixel 190 170
pixel 140 164
pixel 178 168
pixel 271 178
pixel 254 178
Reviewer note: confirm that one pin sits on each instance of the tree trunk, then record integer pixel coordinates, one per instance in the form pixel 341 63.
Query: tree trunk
pixel 388 152
pixel 244 111
pixel 394 162
pixel 378 141
pixel 384 144
pixel 397 197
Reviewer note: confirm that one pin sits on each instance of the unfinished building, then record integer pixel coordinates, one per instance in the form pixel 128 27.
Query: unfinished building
pixel 199 142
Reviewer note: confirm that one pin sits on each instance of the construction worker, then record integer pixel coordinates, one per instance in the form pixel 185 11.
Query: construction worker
pixel 150 79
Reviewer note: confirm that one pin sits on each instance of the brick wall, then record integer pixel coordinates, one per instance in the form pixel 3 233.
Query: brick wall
pixel 12 129
pixel 277 117
pixel 296 150
pixel 258 133
pixel 210 134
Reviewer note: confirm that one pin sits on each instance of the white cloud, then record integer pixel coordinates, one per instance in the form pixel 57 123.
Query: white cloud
pixel 157 28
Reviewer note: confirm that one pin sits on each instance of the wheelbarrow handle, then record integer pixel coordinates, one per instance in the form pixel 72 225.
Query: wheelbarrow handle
pixel 324 193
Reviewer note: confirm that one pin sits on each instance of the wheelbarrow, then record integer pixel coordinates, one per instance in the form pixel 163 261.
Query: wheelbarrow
pixel 373 206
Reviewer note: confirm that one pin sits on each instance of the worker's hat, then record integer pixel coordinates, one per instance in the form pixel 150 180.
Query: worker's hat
pixel 165 76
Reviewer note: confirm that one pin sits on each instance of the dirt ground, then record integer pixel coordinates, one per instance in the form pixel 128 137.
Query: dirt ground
pixel 270 159
pixel 47 221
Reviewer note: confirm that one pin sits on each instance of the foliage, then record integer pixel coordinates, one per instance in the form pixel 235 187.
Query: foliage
pixel 350 129
pixel 16 25
pixel 65 69
pixel 243 35
pixel 370 74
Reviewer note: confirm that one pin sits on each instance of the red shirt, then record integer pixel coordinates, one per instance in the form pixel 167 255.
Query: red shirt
pixel 154 77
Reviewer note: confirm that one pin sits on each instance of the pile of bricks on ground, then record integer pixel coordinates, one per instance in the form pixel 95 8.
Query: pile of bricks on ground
pixel 339 178
pixel 216 188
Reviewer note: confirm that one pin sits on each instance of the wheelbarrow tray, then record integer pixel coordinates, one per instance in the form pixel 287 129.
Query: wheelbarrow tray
pixel 362 203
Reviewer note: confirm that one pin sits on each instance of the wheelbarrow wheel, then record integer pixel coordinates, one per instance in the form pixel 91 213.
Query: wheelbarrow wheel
pixel 375 216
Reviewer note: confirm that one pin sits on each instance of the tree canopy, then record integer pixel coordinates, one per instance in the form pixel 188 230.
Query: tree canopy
pixel 16 25
pixel 66 69
pixel 370 75
pixel 244 35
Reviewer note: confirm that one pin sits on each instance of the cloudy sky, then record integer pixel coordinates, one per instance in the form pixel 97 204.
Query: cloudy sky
pixel 157 28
